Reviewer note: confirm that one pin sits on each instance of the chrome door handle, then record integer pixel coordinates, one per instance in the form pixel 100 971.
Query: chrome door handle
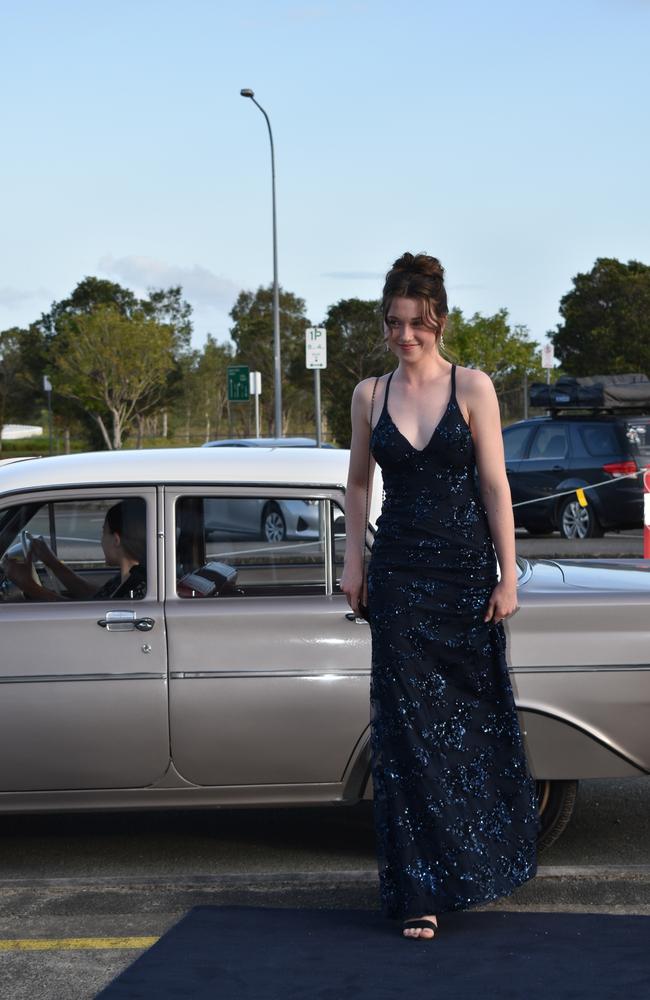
pixel 125 621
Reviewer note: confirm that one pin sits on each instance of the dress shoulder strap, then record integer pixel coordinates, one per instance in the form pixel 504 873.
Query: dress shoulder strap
pixel 453 381
pixel 385 406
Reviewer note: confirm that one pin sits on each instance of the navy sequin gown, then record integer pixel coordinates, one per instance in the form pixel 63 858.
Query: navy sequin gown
pixel 454 802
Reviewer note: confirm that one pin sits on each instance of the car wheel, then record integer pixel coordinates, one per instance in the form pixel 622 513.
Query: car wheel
pixel 555 802
pixel 274 528
pixel 578 522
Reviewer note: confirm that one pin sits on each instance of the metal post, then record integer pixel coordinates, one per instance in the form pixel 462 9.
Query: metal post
pixel 47 386
pixel 317 406
pixel 277 369
pixel 525 395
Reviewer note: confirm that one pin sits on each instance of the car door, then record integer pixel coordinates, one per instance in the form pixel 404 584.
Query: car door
pixel 539 473
pixel 515 443
pixel 83 681
pixel 269 680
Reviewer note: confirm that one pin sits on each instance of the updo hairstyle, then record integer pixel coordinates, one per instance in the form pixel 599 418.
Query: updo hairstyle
pixel 418 277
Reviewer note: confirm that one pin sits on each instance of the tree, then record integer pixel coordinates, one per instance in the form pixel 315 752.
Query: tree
pixel 252 334
pixel 111 363
pixel 355 350
pixel 506 353
pixel 491 344
pixel 606 320
pixel 86 297
pixel 202 396
pixel 211 379
pixel 164 307
pixel 12 399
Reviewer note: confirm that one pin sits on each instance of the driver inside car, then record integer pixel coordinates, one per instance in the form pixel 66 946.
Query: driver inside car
pixel 124 545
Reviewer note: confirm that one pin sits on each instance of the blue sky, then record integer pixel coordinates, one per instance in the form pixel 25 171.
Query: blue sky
pixel 508 139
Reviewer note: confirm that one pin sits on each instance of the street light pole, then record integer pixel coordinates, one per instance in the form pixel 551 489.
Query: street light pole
pixel 277 370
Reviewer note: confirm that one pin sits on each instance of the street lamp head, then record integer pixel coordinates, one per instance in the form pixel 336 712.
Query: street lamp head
pixel 247 92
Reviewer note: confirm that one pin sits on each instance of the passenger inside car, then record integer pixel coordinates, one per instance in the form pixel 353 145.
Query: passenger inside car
pixel 123 542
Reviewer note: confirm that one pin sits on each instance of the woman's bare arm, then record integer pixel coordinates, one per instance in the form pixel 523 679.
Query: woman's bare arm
pixel 355 496
pixel 485 422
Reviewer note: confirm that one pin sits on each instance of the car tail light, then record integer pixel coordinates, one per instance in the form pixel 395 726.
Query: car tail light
pixel 620 468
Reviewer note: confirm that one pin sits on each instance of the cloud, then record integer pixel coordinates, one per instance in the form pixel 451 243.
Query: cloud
pixel 10 297
pixel 199 284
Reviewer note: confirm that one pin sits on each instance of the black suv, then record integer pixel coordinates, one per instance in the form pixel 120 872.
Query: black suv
pixel 546 455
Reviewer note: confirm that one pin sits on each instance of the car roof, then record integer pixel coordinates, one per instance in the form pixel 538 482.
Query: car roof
pixel 579 418
pixel 269 442
pixel 289 466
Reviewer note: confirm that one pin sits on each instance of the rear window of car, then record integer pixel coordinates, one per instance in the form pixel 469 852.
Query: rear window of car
pixel 550 442
pixel 600 440
pixel 637 432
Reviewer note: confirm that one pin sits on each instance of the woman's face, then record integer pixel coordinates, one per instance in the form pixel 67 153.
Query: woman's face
pixel 111 545
pixel 406 333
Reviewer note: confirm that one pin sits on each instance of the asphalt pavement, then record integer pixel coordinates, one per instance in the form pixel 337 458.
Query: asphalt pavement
pixel 613 545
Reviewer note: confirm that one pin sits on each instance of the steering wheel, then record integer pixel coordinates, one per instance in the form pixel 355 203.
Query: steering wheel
pixel 26 545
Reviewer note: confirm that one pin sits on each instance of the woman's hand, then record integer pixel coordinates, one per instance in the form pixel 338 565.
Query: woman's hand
pixel 354 587
pixel 42 551
pixel 502 602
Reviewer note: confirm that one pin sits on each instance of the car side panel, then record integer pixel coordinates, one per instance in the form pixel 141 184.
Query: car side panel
pixel 582 659
pixel 270 690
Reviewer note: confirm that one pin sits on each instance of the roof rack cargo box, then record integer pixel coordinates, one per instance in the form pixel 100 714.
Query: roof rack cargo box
pixel 612 392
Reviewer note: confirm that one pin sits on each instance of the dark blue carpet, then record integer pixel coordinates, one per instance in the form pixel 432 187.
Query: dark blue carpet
pixel 263 953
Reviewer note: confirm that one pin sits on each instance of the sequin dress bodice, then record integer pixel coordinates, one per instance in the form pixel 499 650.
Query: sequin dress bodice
pixel 430 491
pixel 454 800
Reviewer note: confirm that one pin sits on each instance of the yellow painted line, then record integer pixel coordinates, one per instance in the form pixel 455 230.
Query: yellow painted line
pixel 70 944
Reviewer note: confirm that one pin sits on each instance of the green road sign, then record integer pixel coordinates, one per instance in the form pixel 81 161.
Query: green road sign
pixel 238 383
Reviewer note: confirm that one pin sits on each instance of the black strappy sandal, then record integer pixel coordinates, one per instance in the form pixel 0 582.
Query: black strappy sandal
pixel 420 922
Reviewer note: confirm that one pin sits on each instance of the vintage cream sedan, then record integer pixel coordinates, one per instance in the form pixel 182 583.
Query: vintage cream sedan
pixel 236 675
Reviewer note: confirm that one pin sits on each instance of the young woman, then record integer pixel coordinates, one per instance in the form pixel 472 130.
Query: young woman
pixel 454 802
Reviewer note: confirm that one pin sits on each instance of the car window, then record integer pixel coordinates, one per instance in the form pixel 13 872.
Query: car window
pixel 338 539
pixel 514 442
pixel 600 439
pixel 549 442
pixel 637 431
pixel 249 546
pixel 80 549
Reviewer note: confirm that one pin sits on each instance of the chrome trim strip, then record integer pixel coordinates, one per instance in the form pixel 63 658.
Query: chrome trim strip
pixel 191 675
pixel 617 667
pixel 216 674
pixel 46 678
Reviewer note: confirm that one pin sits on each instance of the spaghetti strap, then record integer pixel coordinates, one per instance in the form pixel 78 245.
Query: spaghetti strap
pixel 385 406
pixel 453 383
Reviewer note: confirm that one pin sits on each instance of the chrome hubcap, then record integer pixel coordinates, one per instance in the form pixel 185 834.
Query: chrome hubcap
pixel 575 520
pixel 273 527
